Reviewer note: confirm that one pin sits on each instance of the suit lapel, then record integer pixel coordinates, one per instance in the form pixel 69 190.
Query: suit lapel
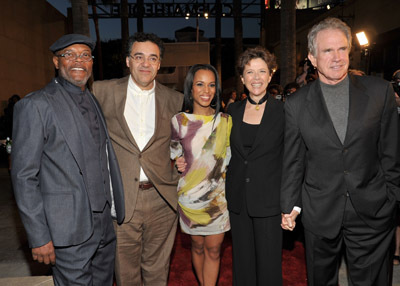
pixel 319 112
pixel 358 102
pixel 160 101
pixel 236 133
pixel 74 134
pixel 120 94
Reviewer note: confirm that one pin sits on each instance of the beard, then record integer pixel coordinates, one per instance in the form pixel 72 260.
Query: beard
pixel 80 82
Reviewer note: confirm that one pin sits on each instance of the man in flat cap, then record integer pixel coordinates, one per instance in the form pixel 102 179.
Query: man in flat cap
pixel 65 174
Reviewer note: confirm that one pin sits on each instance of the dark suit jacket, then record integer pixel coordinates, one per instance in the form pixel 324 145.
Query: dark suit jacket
pixel 155 157
pixel 324 171
pixel 48 168
pixel 258 175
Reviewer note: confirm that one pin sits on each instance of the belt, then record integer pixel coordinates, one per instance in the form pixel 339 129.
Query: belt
pixel 145 185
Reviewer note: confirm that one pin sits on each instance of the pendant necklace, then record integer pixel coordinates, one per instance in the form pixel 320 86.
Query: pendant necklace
pixel 261 101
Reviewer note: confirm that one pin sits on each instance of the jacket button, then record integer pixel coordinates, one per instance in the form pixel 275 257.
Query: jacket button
pixel 247 180
pixel 346 172
pixel 245 162
pixel 345 150
pixel 140 156
pixel 136 179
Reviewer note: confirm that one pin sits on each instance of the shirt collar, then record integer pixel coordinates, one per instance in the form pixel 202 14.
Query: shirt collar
pixel 137 90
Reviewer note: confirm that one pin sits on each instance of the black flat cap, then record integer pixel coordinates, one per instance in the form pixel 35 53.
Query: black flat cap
pixel 70 39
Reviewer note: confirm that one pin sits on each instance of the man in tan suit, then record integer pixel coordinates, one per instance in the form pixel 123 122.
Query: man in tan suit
pixel 138 111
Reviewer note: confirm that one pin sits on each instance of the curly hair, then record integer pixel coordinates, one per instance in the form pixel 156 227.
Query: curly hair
pixel 257 53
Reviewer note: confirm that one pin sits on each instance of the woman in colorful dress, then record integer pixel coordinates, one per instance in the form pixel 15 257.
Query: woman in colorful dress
pixel 200 142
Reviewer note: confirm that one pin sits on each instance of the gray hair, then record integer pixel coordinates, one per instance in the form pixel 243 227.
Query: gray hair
pixel 328 23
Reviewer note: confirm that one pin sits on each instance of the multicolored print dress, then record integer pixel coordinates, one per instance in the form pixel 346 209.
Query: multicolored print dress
pixel 204 142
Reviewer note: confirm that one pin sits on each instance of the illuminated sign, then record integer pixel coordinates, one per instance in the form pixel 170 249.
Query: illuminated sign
pixel 160 10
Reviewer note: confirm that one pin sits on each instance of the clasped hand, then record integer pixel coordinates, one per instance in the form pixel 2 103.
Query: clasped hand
pixel 180 164
pixel 289 220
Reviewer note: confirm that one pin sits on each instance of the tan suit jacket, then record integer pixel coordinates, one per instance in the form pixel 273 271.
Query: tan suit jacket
pixel 155 156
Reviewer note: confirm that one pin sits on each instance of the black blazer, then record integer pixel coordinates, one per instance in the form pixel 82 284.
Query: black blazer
pixel 258 175
pixel 323 171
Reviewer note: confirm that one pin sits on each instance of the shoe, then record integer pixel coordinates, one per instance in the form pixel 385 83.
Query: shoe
pixel 396 260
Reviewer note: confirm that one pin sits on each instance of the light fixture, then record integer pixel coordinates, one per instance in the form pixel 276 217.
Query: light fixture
pixel 365 50
pixel 362 39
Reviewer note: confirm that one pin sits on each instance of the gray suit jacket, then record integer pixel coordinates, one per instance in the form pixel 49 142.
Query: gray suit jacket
pixel 48 169
pixel 155 157
pixel 323 171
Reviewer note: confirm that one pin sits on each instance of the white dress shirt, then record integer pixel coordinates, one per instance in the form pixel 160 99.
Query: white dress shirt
pixel 140 115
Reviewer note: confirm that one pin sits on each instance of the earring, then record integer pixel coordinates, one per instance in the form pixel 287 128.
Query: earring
pixel 213 103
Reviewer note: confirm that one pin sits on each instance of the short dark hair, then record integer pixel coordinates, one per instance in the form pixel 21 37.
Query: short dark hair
pixel 144 37
pixel 276 86
pixel 15 97
pixel 257 53
pixel 188 85
pixel 356 72
pixel 396 75
pixel 291 85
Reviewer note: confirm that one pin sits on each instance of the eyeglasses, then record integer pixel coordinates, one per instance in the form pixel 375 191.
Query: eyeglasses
pixel 85 57
pixel 153 60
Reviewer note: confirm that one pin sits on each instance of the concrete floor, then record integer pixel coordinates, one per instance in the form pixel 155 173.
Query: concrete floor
pixel 16 265
pixel 15 259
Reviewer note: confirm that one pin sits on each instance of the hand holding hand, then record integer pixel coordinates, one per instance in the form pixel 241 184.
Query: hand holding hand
pixel 289 220
pixel 44 254
pixel 181 164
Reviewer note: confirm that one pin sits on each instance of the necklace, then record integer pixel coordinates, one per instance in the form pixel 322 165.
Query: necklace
pixel 261 101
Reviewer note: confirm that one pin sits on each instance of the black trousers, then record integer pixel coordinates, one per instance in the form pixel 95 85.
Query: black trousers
pixel 367 253
pixel 92 262
pixel 257 249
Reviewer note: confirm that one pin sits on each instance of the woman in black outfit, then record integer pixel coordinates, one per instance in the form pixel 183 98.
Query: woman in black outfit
pixel 254 175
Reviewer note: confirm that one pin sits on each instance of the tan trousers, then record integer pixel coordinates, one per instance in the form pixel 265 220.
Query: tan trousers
pixel 144 243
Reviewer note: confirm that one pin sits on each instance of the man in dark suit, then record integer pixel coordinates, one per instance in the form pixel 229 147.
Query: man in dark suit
pixel 138 110
pixel 65 174
pixel 341 161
